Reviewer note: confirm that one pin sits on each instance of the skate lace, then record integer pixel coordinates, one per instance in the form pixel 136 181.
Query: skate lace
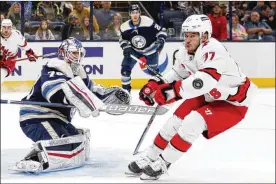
pixel 143 161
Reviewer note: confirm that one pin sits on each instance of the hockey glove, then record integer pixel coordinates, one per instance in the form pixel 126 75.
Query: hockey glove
pixel 8 64
pixel 146 94
pixel 168 93
pixel 31 55
pixel 160 42
pixel 127 51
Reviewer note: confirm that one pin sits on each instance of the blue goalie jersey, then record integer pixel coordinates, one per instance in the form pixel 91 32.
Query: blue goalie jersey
pixel 142 37
pixel 47 88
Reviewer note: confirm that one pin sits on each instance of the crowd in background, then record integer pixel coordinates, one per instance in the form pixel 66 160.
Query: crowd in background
pixel 48 20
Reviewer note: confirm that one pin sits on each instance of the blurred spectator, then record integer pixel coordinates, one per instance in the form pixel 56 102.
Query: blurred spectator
pixel 238 31
pixel 47 10
pixel 265 11
pixel 72 29
pixel 28 10
pixel 104 16
pixel 85 28
pixel 43 32
pixel 97 4
pixel 272 17
pixel 83 12
pixel 258 7
pixel 15 15
pixel 194 7
pixel 2 16
pixel 66 8
pixel 225 9
pixel 268 16
pixel 258 30
pixel 113 30
pixel 219 23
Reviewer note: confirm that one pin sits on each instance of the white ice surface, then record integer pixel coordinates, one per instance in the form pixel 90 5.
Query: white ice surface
pixel 245 153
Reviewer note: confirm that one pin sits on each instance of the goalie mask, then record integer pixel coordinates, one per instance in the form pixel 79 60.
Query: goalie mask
pixel 72 51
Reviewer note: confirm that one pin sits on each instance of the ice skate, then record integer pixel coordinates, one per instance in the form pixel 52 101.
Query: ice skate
pixel 155 169
pixel 135 167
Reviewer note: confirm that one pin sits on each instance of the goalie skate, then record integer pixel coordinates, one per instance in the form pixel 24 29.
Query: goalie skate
pixel 27 166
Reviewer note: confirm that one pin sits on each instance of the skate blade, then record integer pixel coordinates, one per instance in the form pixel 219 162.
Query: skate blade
pixel 131 174
pixel 145 177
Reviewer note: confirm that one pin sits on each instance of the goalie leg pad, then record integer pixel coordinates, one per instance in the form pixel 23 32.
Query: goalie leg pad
pixel 43 158
pixel 81 97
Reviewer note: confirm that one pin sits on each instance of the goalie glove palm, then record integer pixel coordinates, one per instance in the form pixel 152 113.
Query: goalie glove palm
pixel 168 93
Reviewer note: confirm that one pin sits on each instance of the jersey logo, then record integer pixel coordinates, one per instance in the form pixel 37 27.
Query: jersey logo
pixel 138 41
pixel 208 112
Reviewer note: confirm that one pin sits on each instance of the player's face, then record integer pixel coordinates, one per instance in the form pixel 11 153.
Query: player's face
pixel 192 41
pixel 134 15
pixel 6 31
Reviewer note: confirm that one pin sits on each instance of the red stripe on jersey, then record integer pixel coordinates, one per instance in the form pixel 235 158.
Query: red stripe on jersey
pixel 211 71
pixel 160 142
pixel 240 96
pixel 65 155
pixel 178 143
pixel 24 45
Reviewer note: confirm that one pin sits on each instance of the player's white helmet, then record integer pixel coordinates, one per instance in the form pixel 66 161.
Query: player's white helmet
pixel 6 27
pixel 197 23
pixel 67 51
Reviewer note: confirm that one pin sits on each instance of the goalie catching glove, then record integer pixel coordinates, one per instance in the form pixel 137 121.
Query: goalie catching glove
pixel 168 93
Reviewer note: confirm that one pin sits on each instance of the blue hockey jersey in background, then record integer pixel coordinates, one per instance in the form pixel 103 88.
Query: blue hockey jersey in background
pixel 142 37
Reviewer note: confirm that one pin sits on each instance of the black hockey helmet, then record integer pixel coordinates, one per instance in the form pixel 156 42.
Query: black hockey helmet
pixel 133 7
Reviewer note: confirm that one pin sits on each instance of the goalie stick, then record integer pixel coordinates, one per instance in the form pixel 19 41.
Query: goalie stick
pixel 108 108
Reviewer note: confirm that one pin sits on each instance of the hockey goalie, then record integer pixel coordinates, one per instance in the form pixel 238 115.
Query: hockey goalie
pixel 215 93
pixel 11 40
pixel 58 145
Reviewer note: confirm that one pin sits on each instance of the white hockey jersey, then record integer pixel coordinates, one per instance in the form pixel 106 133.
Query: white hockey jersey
pixel 211 72
pixel 9 46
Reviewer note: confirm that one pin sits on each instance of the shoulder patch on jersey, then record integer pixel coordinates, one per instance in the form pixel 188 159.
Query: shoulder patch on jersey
pixel 197 83
pixel 61 66
pixel 125 26
pixel 17 32
pixel 146 21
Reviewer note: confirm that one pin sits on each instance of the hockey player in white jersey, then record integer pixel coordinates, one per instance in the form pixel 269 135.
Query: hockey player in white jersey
pixel 216 97
pixel 11 40
pixel 58 145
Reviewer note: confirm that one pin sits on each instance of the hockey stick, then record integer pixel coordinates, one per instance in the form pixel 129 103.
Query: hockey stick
pixel 159 75
pixel 43 56
pixel 146 129
pixel 108 108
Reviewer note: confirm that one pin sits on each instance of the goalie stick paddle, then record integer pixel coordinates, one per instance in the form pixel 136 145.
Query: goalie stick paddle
pixel 108 108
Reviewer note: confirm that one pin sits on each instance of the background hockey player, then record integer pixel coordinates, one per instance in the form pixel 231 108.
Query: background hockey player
pixel 58 144
pixel 141 37
pixel 216 97
pixel 11 40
